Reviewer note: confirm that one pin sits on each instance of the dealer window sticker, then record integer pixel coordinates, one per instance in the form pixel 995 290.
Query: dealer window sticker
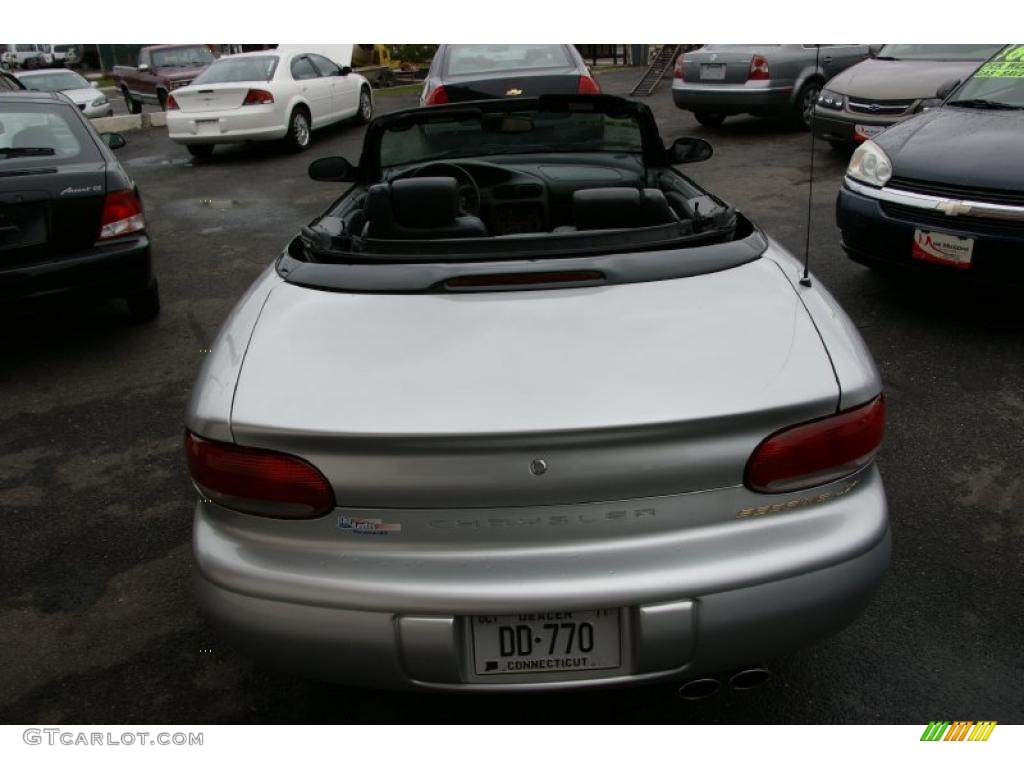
pixel 1010 63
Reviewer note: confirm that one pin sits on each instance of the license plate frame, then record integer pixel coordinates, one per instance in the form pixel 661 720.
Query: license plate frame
pixel 207 127
pixel 943 248
pixel 546 642
pixel 712 72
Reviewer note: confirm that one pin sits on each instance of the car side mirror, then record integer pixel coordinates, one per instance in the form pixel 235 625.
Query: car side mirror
pixel 946 88
pixel 332 169
pixel 689 149
pixel 346 71
pixel 113 140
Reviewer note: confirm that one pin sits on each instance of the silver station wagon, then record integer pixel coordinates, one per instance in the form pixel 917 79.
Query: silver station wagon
pixel 527 408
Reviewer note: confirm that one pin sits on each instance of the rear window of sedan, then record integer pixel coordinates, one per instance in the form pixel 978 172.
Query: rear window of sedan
pixel 39 126
pixel 472 59
pixel 248 69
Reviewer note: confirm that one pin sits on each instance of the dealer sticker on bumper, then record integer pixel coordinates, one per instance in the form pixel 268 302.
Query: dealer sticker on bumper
pixel 862 132
pixel 941 248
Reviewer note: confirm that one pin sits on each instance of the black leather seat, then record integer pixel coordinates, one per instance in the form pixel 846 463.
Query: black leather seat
pixel 418 209
pixel 619 208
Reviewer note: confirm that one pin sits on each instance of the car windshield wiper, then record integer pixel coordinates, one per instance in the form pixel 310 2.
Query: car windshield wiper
pixel 886 58
pixel 26 151
pixel 983 104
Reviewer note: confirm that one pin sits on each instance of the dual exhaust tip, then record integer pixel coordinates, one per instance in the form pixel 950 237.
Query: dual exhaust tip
pixel 742 680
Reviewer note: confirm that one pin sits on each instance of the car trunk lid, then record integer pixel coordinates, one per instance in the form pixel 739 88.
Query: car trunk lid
pixel 47 212
pixel 721 64
pixel 213 97
pixel 511 84
pixel 441 400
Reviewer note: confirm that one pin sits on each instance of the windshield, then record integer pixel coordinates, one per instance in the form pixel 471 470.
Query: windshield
pixel 999 82
pixel 466 59
pixel 55 81
pixel 938 52
pixel 240 70
pixel 192 56
pixel 509 133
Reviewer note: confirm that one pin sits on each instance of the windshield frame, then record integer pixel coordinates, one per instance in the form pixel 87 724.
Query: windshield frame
pixel 652 151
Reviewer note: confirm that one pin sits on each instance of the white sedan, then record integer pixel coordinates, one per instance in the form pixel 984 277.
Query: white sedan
pixel 86 95
pixel 265 95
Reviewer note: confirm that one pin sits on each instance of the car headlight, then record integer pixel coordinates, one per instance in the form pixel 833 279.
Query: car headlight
pixel 870 165
pixel 925 104
pixel 830 99
pixel 100 101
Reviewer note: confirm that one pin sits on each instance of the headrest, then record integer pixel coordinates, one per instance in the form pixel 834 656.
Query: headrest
pixel 606 208
pixel 425 202
pixel 35 136
pixel 620 207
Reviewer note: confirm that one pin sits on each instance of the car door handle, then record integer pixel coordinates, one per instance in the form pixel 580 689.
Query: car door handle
pixel 827 59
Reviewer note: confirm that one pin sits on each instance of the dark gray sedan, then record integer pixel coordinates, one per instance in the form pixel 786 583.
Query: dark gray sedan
pixel 720 80
pixel 901 81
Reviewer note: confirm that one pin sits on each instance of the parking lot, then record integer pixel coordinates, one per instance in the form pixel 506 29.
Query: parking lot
pixel 98 623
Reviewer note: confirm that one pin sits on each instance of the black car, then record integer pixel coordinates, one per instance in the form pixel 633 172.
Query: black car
pixel 945 188
pixel 502 71
pixel 71 219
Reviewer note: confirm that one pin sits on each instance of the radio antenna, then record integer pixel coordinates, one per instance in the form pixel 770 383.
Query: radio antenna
pixel 806 279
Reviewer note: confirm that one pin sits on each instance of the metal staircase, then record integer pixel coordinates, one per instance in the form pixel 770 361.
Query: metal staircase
pixel 659 66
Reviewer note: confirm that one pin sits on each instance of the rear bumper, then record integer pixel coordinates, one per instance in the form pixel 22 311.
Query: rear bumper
pixel 691 602
pixel 261 122
pixel 731 99
pixel 118 268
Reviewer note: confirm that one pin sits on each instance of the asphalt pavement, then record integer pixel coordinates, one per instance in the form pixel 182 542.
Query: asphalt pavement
pixel 97 621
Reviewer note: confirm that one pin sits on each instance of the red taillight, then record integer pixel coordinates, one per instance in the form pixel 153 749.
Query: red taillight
pixel 122 215
pixel 818 451
pixel 437 96
pixel 257 481
pixel 758 68
pixel 171 103
pixel 257 96
pixel 677 70
pixel 587 84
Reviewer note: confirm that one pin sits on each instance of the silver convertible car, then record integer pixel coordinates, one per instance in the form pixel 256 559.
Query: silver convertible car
pixel 527 408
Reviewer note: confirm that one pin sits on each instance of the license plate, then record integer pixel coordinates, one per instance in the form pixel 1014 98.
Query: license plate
pixel 938 247
pixel 862 132
pixel 554 641
pixel 207 126
pixel 712 71
pixel 22 225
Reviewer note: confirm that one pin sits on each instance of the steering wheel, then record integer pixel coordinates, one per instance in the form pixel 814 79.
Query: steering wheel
pixel 468 190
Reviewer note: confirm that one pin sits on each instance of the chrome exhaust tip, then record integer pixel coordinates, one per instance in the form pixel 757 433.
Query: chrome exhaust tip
pixel 701 688
pixel 750 678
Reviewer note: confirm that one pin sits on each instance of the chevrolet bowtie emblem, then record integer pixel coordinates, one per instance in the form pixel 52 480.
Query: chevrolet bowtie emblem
pixel 514 92
pixel 954 207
